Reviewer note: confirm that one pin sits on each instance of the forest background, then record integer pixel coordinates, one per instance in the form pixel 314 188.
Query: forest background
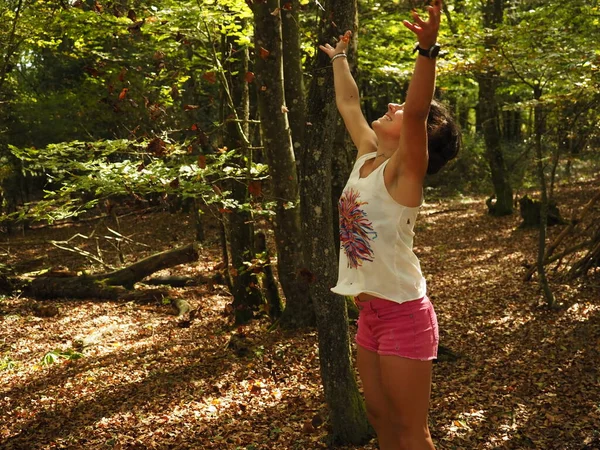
pixel 215 123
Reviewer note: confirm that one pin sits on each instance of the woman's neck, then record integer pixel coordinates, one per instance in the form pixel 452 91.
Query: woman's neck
pixel 385 149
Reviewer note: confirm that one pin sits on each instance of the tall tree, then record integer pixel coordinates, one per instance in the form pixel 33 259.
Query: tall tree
pixel 347 410
pixel 295 96
pixel 238 222
pixel 539 153
pixel 488 79
pixel 277 142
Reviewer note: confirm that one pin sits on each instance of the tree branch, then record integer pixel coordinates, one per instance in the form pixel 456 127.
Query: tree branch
pixel 223 79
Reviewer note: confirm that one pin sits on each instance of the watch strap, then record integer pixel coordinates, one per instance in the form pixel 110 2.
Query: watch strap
pixel 431 52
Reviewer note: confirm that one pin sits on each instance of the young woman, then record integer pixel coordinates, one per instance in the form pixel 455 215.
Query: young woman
pixel 397 327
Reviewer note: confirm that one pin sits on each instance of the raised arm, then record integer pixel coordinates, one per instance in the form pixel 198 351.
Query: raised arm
pixel 347 98
pixel 410 161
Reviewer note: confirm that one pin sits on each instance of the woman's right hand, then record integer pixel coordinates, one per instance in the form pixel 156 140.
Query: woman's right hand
pixel 340 47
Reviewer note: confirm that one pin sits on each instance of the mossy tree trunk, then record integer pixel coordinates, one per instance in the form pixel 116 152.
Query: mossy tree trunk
pixel 346 407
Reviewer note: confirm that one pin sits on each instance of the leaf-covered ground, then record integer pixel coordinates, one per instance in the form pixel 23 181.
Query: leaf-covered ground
pixel 526 376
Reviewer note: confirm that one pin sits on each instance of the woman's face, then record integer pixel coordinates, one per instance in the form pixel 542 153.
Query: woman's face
pixel 391 122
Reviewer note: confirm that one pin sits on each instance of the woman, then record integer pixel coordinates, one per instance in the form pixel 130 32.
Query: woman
pixel 397 328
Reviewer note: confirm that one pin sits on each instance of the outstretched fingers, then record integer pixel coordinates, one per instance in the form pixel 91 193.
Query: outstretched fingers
pixel 414 28
pixel 422 27
pixel 340 45
pixel 435 12
pixel 420 22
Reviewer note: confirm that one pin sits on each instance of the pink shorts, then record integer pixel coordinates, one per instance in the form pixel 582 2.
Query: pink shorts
pixel 408 329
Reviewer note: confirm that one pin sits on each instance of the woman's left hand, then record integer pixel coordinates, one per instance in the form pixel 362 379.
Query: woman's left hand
pixel 340 47
pixel 426 31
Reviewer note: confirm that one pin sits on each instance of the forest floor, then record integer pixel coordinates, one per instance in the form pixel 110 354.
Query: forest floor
pixel 114 375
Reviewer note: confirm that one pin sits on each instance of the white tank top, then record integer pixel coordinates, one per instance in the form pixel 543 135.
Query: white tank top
pixel 376 237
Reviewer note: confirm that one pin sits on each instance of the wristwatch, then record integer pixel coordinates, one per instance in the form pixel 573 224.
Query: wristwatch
pixel 430 53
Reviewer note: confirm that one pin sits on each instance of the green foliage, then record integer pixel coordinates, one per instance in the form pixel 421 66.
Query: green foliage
pixel 7 364
pixel 104 73
pixel 85 89
pixel 82 174
pixel 56 355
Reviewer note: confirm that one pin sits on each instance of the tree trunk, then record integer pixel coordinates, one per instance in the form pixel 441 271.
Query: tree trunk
pixel 488 118
pixel 282 165
pixel 347 410
pixel 11 44
pixel 112 285
pixel 293 76
pixel 191 96
pixel 269 285
pixel 197 215
pixel 539 130
pixel 239 224
pixel 488 111
pixel 555 161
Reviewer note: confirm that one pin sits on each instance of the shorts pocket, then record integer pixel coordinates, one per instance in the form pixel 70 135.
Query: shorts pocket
pixel 434 324
pixel 394 312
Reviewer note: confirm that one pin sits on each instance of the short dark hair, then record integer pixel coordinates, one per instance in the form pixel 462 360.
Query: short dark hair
pixel 444 137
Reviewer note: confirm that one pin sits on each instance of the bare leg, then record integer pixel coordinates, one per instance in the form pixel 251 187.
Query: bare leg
pixel 377 403
pixel 406 385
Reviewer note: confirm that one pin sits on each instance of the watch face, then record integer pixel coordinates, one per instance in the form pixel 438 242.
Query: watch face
pixel 434 51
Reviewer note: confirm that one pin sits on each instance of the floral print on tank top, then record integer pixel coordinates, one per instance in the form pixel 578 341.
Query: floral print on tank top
pixel 356 230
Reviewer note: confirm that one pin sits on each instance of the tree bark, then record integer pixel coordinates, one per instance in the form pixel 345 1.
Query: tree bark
pixel 282 165
pixel 347 410
pixel 269 284
pixel 539 129
pixel 239 224
pixel 488 117
pixel 295 96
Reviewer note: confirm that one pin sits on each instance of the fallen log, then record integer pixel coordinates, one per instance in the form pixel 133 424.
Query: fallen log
pixel 180 281
pixel 130 275
pixel 113 285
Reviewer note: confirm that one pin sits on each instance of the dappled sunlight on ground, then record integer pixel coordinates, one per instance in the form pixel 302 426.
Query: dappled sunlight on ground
pixel 133 376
